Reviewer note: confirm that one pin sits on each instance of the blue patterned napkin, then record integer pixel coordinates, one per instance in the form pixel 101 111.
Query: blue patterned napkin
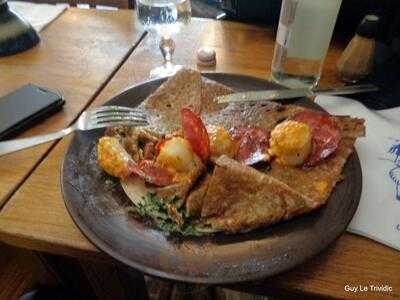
pixel 378 215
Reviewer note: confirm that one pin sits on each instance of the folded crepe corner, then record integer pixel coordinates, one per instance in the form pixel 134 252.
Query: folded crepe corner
pixel 240 198
pixel 187 88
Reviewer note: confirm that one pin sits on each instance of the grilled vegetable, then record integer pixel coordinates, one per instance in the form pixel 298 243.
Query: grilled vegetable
pixel 157 210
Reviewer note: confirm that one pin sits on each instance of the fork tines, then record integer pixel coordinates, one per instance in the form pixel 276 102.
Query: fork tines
pixel 117 109
pixel 118 115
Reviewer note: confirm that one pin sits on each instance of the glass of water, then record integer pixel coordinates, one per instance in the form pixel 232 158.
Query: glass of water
pixel 304 33
pixel 164 18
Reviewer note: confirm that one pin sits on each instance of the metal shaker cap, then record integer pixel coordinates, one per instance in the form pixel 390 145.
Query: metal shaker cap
pixel 368 27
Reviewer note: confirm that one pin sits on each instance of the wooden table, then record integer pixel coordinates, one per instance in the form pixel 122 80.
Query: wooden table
pixel 34 216
pixel 78 55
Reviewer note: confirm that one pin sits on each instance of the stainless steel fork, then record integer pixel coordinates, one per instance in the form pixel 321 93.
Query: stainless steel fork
pixel 104 116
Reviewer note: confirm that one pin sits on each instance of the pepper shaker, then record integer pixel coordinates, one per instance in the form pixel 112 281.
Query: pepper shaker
pixel 356 61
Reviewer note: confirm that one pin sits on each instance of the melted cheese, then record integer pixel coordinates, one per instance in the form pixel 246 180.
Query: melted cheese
pixel 290 143
pixel 177 154
pixel 220 142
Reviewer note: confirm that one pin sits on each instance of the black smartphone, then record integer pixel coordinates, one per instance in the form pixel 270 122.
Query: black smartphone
pixel 26 107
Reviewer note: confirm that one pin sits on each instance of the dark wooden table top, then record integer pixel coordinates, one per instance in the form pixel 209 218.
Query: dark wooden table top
pixel 35 216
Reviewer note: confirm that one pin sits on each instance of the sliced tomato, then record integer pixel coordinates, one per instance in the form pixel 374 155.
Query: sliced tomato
pixel 325 135
pixel 151 173
pixel 196 133
pixel 253 143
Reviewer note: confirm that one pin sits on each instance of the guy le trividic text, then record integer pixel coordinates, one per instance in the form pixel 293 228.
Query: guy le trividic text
pixel 378 288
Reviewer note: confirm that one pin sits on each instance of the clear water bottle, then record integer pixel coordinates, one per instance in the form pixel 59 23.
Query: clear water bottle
pixel 304 33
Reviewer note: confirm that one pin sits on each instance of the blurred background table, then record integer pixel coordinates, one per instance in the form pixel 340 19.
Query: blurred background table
pixel 97 59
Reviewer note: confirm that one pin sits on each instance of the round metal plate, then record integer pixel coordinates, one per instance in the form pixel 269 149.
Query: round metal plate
pixel 101 210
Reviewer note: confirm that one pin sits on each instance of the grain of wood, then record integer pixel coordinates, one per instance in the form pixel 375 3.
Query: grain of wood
pixel 42 221
pixel 103 280
pixel 36 217
pixel 351 260
pixel 186 291
pixel 20 270
pixel 76 56
pixel 158 288
pixel 226 294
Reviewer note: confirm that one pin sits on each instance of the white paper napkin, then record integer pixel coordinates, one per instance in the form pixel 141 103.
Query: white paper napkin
pixel 39 15
pixel 378 215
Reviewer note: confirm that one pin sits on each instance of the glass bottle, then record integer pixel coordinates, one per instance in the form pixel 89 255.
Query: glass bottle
pixel 304 33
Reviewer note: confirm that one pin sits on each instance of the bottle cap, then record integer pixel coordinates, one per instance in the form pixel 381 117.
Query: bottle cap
pixel 368 27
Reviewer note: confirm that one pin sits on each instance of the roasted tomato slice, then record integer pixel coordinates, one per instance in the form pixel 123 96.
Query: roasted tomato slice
pixel 196 133
pixel 151 173
pixel 252 144
pixel 325 135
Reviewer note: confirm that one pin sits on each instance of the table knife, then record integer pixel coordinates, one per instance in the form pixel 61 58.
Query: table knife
pixel 267 95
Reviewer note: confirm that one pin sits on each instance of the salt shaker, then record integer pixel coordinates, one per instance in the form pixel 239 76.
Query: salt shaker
pixel 356 61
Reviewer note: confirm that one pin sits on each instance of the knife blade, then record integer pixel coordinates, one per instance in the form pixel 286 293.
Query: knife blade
pixel 268 95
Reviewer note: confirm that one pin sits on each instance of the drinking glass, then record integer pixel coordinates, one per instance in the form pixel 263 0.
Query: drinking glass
pixel 304 33
pixel 163 19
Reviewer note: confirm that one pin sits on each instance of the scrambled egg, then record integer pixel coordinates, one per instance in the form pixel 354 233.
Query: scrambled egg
pixel 290 143
pixel 220 142
pixel 177 154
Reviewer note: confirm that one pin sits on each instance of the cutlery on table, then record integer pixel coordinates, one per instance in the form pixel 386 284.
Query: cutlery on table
pixel 267 95
pixel 104 116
